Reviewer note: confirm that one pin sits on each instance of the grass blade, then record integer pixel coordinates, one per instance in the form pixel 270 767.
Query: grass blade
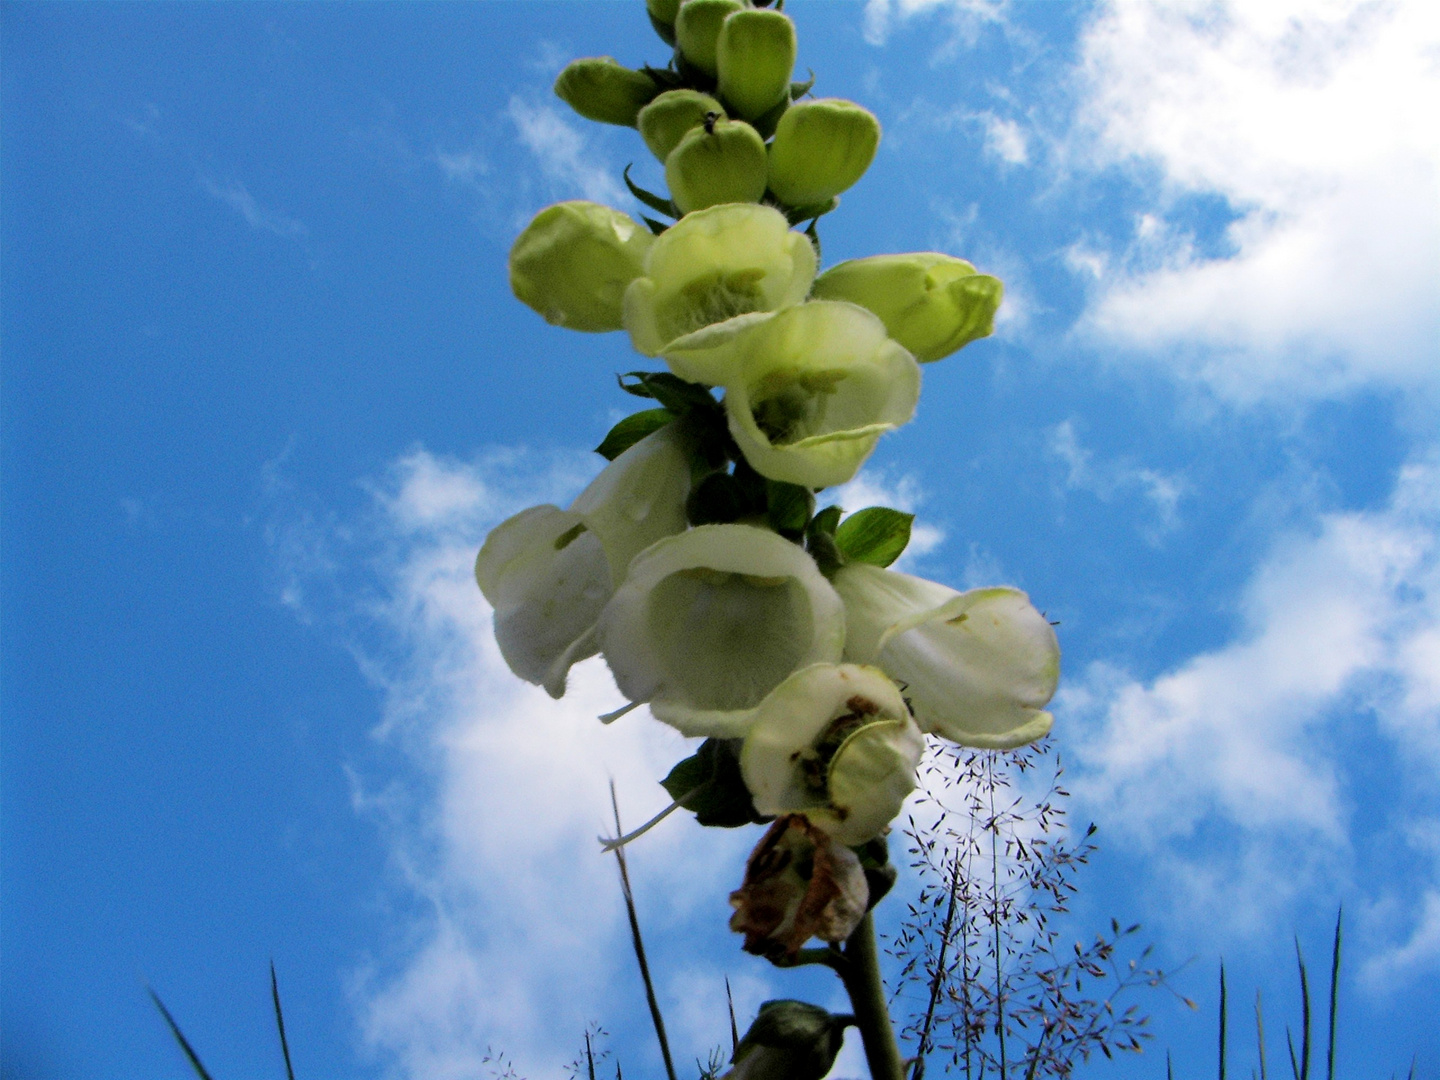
pixel 589 1057
pixel 639 944
pixel 1334 997
pixel 179 1036
pixel 1224 1018
pixel 280 1022
pixel 1304 1014
pixel 1260 1033
pixel 1169 1070
pixel 734 1031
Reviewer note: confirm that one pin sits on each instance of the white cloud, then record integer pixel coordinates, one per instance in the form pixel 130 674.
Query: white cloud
pixel 1005 140
pixel 565 157
pixel 1314 122
pixel 467 167
pixel 501 792
pixel 234 195
pixel 968 17
pixel 1253 742
pixel 1107 479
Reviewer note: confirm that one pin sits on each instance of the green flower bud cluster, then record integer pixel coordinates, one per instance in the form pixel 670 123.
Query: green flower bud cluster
pixel 698 563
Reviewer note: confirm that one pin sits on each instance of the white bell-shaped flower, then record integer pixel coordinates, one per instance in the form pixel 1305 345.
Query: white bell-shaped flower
pixel 813 388
pixel 712 265
pixel 977 667
pixel 709 622
pixel 836 743
pixel 548 573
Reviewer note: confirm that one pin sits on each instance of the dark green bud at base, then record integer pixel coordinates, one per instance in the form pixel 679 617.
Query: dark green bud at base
pixel 667 119
pixel 725 164
pixel 600 89
pixel 790 1040
pixel 820 149
pixel 754 57
pixel 697 30
pixel 663 10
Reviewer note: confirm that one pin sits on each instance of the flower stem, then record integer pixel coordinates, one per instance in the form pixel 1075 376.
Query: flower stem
pixel 867 998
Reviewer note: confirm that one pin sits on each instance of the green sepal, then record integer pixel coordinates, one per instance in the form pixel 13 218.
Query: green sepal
pixel 876 535
pixel 677 395
pixel 718 499
pixel 800 89
pixel 656 227
pixel 649 198
pixel 709 784
pixel 880 873
pixel 820 540
pixel 766 121
pixel 788 507
pixel 664 30
pixel 814 234
pixel 666 78
pixel 813 212
pixel 631 430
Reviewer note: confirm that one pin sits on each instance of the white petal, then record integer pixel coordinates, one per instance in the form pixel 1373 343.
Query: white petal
pixel 638 498
pixel 978 667
pixel 710 355
pixel 713 619
pixel 547 578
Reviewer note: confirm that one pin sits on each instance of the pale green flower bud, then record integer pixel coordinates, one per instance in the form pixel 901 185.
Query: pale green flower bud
pixel 709 622
pixel 813 388
pixel 755 56
pixel 548 573
pixel 663 10
pixel 932 304
pixel 573 263
pixel 837 744
pixel 717 163
pixel 714 265
pixel 820 149
pixel 978 667
pixel 600 89
pixel 664 122
pixel 799 883
pixel 697 30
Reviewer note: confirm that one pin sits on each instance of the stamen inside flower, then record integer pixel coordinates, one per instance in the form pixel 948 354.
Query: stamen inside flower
pixel 814 761
pixel 791 405
pixel 713 298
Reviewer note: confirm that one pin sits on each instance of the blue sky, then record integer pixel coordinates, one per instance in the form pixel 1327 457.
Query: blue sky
pixel 265 389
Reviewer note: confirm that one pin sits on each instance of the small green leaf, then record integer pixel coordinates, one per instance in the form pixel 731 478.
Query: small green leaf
pixel 649 198
pixel 788 506
pixel 800 89
pixel 709 785
pixel 825 521
pixel 656 227
pixel 876 535
pixel 677 395
pixel 631 430
pixel 812 212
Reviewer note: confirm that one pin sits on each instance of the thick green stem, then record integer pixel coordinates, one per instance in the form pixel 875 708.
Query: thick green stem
pixel 867 998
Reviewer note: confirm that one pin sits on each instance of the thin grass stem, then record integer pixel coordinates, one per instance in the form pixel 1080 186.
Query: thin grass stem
pixel 1304 1014
pixel 1334 997
pixel 1224 1019
pixel 734 1031
pixel 1260 1033
pixel 280 1022
pixel 639 944
pixel 193 1057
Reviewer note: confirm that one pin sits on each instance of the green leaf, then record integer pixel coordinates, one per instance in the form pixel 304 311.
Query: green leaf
pixel 649 198
pixel 677 395
pixel 876 535
pixel 788 506
pixel 825 521
pixel 631 430
pixel 709 785
pixel 656 227
pixel 800 89
pixel 813 212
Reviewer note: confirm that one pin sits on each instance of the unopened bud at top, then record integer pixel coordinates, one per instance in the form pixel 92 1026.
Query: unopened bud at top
pixel 820 149
pixel 722 161
pixel 573 263
pixel 754 58
pixel 932 304
pixel 666 120
pixel 697 30
pixel 600 89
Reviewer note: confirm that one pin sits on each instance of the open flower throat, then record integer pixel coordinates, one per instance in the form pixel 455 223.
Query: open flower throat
pixel 725 592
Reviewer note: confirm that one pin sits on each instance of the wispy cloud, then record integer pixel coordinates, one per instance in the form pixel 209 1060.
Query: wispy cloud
pixel 499 795
pixel 876 487
pixel 1239 769
pixel 235 195
pixel 967 17
pixel 1313 122
pixel 566 159
pixel 1108 479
